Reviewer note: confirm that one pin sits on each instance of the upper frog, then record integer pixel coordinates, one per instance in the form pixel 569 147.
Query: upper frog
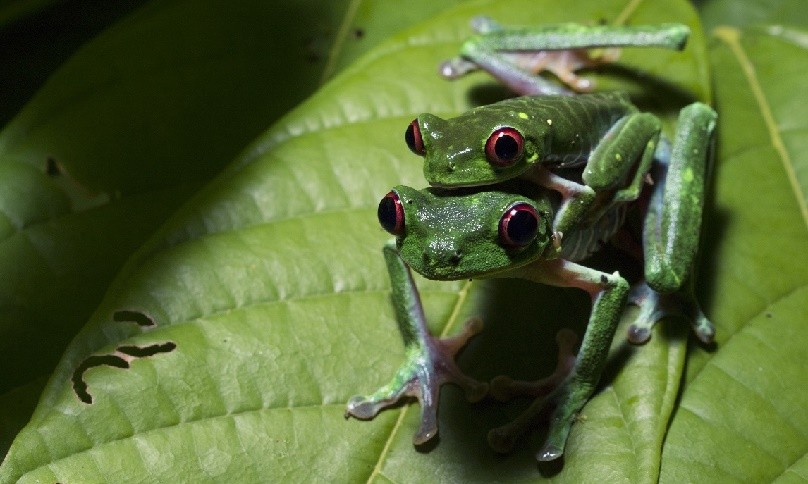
pixel 497 142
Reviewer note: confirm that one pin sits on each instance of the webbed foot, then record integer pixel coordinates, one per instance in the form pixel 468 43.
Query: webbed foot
pixel 428 366
pixel 655 306
pixel 547 391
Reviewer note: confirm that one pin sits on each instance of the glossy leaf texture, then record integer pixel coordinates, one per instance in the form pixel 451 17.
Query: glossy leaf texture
pixel 121 135
pixel 271 308
pixel 742 414
pixel 270 305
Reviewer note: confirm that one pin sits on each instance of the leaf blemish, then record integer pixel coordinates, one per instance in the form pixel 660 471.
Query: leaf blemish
pixel 121 358
pixel 133 316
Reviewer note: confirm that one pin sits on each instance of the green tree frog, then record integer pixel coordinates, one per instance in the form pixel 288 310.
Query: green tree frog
pixel 535 137
pixel 548 200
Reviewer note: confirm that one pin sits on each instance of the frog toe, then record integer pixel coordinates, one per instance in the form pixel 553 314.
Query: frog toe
pixel 429 365
pixel 655 306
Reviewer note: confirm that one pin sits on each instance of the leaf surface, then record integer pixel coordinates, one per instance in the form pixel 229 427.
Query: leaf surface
pixel 741 416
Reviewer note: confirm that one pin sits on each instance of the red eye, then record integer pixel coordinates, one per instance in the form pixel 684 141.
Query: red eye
pixel 391 214
pixel 413 138
pixel 518 225
pixel 504 147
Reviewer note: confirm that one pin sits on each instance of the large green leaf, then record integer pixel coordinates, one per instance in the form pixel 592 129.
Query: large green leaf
pixel 173 90
pixel 742 415
pixel 58 258
pixel 270 304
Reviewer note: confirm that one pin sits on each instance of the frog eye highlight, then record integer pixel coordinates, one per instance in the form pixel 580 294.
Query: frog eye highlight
pixel 391 214
pixel 413 138
pixel 518 225
pixel 504 147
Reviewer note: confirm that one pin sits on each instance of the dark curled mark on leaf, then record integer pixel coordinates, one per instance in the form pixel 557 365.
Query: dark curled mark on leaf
pixel 121 358
pixel 52 167
pixel 132 316
pixel 144 351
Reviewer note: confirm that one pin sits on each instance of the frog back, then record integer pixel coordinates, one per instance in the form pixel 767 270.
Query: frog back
pixel 502 141
pixel 571 126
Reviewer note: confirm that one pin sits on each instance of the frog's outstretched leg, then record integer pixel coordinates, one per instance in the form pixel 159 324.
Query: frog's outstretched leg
pixel 516 55
pixel 672 228
pixel 430 361
pixel 608 293
pixel 504 388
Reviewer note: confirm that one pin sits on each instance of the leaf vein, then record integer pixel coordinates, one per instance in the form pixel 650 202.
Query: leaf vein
pixel 732 38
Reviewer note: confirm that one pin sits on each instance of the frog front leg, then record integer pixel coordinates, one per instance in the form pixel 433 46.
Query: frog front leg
pixel 608 293
pixel 430 361
pixel 672 228
pixel 618 164
pixel 515 55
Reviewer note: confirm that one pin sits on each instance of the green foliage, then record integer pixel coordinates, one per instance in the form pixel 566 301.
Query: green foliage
pixel 264 297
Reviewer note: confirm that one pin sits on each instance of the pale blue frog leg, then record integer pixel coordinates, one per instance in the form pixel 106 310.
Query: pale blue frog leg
pixel 608 293
pixel 430 361
pixel 509 54
pixel 672 228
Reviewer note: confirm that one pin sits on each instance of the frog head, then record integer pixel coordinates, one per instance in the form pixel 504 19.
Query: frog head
pixel 450 235
pixel 486 145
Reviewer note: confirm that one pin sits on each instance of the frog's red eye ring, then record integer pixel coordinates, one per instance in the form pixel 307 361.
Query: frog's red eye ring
pixel 413 138
pixel 504 147
pixel 391 214
pixel 518 226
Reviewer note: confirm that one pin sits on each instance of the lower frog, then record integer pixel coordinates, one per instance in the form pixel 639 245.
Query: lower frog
pixel 498 232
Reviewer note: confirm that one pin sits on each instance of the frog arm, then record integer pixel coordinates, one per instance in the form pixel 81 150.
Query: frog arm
pixel 608 293
pixel 576 199
pixel 627 147
pixel 672 228
pixel 429 361
pixel 515 55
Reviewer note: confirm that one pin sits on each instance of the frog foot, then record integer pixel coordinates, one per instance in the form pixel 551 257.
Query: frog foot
pixel 655 306
pixel 504 388
pixel 547 391
pixel 429 365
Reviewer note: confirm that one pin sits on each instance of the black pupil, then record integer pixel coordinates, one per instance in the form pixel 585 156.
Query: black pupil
pixel 413 138
pixel 506 147
pixel 409 137
pixel 522 227
pixel 387 214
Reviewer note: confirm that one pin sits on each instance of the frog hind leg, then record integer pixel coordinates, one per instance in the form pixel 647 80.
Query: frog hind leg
pixel 429 361
pixel 654 306
pixel 515 55
pixel 672 228
pixel 608 293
